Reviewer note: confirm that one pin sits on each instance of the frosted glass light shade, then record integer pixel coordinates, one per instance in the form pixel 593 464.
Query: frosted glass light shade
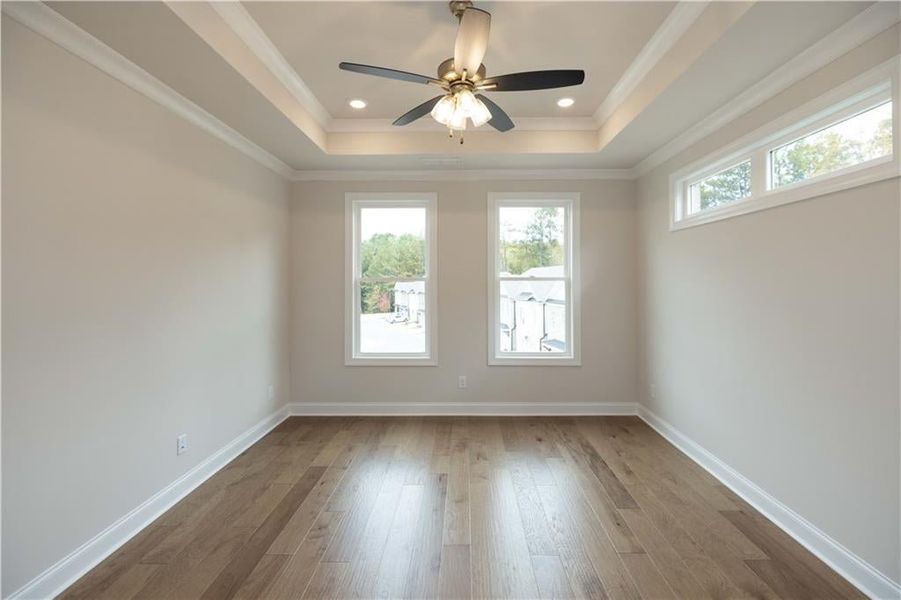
pixel 466 101
pixel 458 120
pixel 480 114
pixel 454 109
pixel 444 110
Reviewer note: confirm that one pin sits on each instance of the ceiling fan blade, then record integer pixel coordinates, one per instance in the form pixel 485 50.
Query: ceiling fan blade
pixel 533 80
pixel 472 40
pixel 418 112
pixel 388 73
pixel 499 119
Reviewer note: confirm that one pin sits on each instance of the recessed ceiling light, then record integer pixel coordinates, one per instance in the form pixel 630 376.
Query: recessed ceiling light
pixel 565 102
pixel 358 104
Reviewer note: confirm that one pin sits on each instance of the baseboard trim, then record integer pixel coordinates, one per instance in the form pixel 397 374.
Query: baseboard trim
pixel 69 569
pixel 480 409
pixel 844 562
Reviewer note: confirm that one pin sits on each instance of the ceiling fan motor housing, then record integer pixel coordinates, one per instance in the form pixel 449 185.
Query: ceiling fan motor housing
pixel 446 72
pixel 462 78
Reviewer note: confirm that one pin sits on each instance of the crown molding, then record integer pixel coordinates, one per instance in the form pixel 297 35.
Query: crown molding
pixel 248 30
pixel 522 124
pixel 48 23
pixel 677 22
pixel 861 28
pixel 464 175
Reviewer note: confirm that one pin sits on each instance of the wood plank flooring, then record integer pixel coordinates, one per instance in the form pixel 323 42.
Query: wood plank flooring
pixel 354 507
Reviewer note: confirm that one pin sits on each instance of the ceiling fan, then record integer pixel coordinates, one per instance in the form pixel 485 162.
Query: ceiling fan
pixel 463 77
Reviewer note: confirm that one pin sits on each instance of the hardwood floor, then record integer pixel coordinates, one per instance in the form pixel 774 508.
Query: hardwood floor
pixel 598 507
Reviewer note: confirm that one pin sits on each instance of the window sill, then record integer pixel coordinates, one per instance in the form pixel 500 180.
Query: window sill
pixel 530 361
pixel 390 362
pixel 886 169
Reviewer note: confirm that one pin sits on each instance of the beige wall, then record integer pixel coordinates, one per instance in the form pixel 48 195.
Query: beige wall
pixel 772 338
pixel 144 269
pixel 608 369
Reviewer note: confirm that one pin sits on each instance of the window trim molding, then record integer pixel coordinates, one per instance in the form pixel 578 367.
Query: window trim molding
pixel 353 201
pixel 880 83
pixel 570 200
pixel 700 176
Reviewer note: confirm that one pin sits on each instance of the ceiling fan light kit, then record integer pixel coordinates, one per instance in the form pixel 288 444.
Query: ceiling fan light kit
pixel 454 109
pixel 464 75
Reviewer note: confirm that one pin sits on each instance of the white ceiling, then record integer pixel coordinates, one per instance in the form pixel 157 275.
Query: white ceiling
pixel 195 50
pixel 418 36
pixel 152 36
pixel 768 36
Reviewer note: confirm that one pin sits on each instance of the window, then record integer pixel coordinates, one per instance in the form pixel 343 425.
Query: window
pixel 390 265
pixel 533 268
pixel 726 186
pixel 853 141
pixel 846 138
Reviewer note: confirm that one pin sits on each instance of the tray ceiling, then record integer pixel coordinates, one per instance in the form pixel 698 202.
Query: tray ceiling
pixel 268 70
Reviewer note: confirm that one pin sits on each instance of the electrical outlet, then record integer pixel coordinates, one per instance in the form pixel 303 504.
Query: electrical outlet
pixel 181 444
pixel 653 391
pixel 271 391
pixel 461 382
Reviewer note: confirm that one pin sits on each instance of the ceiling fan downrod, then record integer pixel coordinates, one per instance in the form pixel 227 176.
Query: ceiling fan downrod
pixel 458 7
pixel 463 78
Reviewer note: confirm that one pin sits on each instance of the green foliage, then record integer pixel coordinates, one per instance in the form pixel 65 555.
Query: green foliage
pixel 377 297
pixel 388 255
pixel 541 237
pixel 728 186
pixel 827 151
pixel 519 257
pixel 540 246
pixel 881 144
pixel 803 159
pixel 813 155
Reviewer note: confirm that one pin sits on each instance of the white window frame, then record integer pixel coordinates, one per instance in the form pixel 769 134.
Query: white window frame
pixel 691 200
pixel 866 91
pixel 569 201
pixel 881 96
pixel 353 202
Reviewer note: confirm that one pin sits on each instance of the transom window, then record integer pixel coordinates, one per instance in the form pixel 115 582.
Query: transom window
pixel 533 266
pixel 391 272
pixel 852 141
pixel 724 187
pixel 845 138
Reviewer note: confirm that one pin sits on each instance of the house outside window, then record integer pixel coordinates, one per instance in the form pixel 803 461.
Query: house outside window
pixel 533 267
pixel 390 269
